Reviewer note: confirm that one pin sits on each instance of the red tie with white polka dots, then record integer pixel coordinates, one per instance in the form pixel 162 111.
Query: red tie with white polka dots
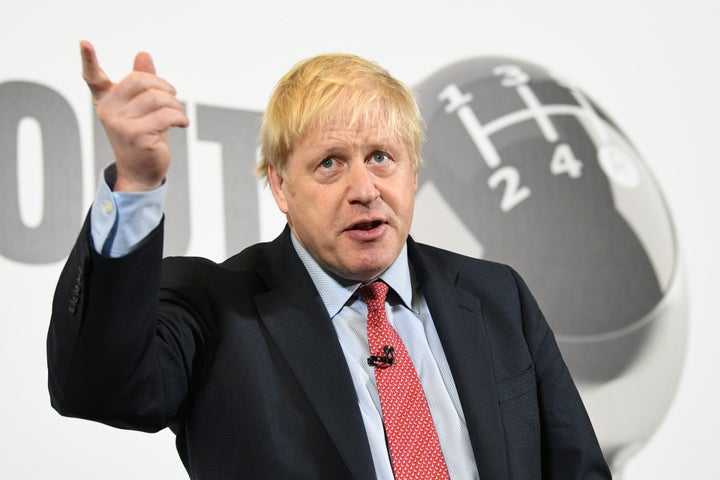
pixel 414 447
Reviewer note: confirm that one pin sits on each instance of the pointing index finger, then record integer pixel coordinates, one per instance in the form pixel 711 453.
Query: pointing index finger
pixel 94 76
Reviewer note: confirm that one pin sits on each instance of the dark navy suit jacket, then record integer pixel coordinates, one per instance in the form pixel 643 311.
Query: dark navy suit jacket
pixel 241 361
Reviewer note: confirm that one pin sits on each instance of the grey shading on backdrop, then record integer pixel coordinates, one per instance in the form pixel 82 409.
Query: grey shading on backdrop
pixel 48 241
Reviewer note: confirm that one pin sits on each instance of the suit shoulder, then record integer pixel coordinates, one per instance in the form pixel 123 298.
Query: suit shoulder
pixel 459 262
pixel 198 274
pixel 484 278
pixel 247 259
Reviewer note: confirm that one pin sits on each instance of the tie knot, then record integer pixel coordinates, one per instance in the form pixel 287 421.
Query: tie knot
pixel 374 292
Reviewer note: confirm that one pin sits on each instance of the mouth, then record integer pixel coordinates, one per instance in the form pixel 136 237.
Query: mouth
pixel 367 230
pixel 366 226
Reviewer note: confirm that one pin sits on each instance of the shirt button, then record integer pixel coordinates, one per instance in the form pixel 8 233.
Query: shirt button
pixel 107 206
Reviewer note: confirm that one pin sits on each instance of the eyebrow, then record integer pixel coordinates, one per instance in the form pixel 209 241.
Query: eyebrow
pixel 380 143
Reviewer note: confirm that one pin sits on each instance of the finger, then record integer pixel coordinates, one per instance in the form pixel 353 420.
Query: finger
pixel 163 118
pixel 150 102
pixel 138 83
pixel 144 63
pixel 94 76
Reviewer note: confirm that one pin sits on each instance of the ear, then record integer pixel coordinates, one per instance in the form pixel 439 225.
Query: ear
pixel 276 186
pixel 415 182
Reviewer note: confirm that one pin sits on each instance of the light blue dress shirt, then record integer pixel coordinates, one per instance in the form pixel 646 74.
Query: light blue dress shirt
pixel 120 221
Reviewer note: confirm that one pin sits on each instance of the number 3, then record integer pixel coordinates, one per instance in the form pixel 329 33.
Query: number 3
pixel 513 75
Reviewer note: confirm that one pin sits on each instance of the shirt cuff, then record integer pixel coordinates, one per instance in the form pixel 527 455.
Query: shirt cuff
pixel 120 221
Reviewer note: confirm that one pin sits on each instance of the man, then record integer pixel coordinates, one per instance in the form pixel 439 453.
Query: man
pixel 261 365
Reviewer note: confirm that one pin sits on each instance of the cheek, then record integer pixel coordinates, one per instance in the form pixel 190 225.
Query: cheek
pixel 409 211
pixel 313 215
pixel 404 198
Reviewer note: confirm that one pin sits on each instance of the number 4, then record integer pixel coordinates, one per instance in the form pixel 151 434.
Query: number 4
pixel 564 161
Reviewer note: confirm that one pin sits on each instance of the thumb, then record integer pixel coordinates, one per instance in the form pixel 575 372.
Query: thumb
pixel 144 63
pixel 94 76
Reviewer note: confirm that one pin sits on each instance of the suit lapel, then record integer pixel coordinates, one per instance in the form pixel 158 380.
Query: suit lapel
pixel 295 317
pixel 458 319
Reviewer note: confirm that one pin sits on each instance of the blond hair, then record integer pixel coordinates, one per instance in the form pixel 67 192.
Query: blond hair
pixel 316 91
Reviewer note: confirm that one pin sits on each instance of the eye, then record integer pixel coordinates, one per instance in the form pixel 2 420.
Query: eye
pixel 328 163
pixel 379 157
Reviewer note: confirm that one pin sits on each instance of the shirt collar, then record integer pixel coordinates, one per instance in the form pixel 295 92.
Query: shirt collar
pixel 336 291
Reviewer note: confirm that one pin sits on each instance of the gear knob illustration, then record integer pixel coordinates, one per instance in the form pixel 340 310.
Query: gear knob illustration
pixel 530 171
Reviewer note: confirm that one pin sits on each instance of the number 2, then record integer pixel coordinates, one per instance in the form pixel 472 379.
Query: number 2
pixel 514 193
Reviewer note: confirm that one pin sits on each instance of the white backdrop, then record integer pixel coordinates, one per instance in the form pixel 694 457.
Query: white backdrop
pixel 653 65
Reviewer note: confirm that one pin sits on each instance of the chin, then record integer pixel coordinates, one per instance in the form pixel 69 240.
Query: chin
pixel 360 270
pixel 361 273
pixel 372 265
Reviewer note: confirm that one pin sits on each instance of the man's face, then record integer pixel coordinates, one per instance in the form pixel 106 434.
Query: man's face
pixel 348 194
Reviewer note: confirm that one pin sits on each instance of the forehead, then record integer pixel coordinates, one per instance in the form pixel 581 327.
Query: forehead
pixel 352 125
pixel 375 118
pixel 340 136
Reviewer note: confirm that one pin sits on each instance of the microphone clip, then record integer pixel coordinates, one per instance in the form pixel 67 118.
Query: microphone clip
pixel 383 361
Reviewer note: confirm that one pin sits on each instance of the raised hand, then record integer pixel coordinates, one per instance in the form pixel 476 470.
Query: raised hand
pixel 136 113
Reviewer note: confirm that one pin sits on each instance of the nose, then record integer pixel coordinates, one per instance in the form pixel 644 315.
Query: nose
pixel 361 184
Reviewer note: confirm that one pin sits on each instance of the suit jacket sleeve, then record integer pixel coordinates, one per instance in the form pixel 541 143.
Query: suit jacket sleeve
pixel 111 357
